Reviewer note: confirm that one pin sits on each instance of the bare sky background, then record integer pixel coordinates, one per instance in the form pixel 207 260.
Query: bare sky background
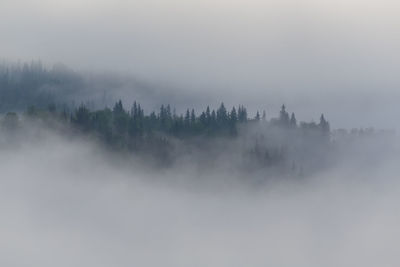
pixel 337 57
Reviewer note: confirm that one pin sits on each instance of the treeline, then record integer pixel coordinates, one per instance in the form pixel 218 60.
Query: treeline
pixel 164 135
pixel 120 122
pixel 156 133
pixel 55 91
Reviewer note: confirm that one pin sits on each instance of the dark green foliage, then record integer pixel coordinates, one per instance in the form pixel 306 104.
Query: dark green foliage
pixel 153 134
pixel 119 125
pixel 120 119
pixel 242 114
pixel 222 116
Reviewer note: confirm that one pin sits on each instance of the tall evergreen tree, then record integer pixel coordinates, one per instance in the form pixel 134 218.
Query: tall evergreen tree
pixel 324 125
pixel 293 121
pixel 284 116
pixel 208 115
pixel 193 117
pixel 242 114
pixel 187 119
pixel 233 115
pixel 222 116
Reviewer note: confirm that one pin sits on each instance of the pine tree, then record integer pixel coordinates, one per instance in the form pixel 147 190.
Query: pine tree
pixel 284 116
pixel 242 114
pixel 293 121
pixel 222 116
pixel 82 118
pixel 187 119
pixel 324 125
pixel 120 118
pixel 193 117
pixel 233 115
pixel 118 108
pixel 208 116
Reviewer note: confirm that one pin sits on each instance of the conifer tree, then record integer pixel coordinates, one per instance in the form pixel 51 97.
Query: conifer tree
pixel 222 116
pixel 293 121
pixel 324 125
pixel 242 114
pixel 284 116
pixel 187 119
pixel 233 115
pixel 193 117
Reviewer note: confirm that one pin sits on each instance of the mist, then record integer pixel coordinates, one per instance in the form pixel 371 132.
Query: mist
pixel 68 201
pixel 199 133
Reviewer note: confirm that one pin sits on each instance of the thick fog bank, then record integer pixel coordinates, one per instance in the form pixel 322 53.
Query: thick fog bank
pixel 64 202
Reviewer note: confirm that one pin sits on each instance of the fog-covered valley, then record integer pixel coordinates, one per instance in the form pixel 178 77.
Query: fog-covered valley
pixel 87 185
pixel 65 201
pixel 199 133
pixel 105 183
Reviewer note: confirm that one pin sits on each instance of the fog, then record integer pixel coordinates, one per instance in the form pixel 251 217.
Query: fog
pixel 66 201
pixel 307 54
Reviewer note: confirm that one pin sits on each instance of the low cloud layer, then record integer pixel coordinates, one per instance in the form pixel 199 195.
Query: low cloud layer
pixel 65 202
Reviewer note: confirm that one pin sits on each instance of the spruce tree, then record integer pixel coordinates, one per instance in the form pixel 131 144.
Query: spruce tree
pixel 293 121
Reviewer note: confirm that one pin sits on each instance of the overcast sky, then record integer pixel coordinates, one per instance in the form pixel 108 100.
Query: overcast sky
pixel 340 57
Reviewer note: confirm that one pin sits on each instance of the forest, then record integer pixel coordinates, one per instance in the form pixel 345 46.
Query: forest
pixel 59 99
pixel 165 136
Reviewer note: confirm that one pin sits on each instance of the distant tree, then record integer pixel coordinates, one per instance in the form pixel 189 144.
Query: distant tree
pixel 193 117
pixel 152 122
pixel 293 121
pixel 187 119
pixel 163 117
pixel 233 115
pixel 242 114
pixel 284 116
pixel 168 114
pixel 233 118
pixel 118 108
pixel 202 121
pixel 208 115
pixel 213 123
pixel 222 116
pixel 134 111
pixel 120 118
pixel 324 125
pixel 102 123
pixel 82 118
